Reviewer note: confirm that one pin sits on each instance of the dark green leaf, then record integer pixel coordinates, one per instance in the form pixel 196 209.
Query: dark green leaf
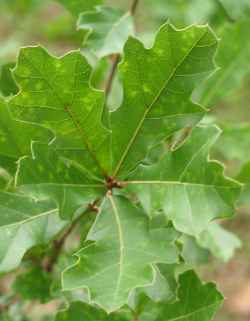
pixel 158 83
pixel 196 302
pixel 56 93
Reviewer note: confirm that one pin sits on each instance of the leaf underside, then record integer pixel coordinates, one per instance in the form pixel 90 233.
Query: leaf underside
pixel 122 256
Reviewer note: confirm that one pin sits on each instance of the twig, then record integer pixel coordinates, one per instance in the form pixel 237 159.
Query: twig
pixel 115 61
pixel 134 7
pixel 116 57
pixel 59 243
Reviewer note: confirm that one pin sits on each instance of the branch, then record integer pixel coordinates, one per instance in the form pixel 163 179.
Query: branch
pixel 59 243
pixel 116 57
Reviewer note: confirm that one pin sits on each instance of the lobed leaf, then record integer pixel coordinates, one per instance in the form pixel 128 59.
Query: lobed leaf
pixel 55 92
pixel 196 302
pixel 121 257
pixel 190 190
pixel 158 83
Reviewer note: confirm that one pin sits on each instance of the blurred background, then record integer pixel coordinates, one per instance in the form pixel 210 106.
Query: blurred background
pixel 47 22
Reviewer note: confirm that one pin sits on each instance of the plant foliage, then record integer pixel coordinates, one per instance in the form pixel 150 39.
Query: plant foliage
pixel 133 185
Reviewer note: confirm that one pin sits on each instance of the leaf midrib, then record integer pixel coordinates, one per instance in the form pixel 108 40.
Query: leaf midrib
pixel 158 182
pixel 121 246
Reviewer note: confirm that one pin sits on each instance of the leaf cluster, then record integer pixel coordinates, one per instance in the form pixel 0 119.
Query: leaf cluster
pixel 133 184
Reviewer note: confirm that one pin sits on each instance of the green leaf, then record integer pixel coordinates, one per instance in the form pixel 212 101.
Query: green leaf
pixel 233 64
pixel 109 28
pixel 7 84
pixel 192 253
pixel 33 285
pixel 55 92
pixel 190 305
pixel 81 311
pixel 234 143
pixel 190 190
pixel 158 83
pixel 122 255
pixel 78 6
pixel 24 223
pixel 219 241
pixel 162 290
pixel 16 137
pixel 48 175
pixel 196 302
